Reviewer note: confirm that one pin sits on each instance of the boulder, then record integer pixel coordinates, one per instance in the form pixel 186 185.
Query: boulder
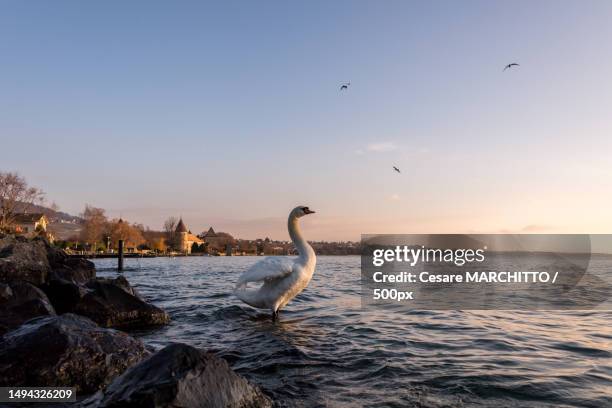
pixel 21 301
pixel 113 303
pixel 180 376
pixel 119 281
pixel 109 302
pixel 37 262
pixel 64 295
pixel 63 267
pixel 22 259
pixel 66 351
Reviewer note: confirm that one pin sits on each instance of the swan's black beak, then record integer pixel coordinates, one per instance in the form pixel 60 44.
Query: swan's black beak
pixel 308 211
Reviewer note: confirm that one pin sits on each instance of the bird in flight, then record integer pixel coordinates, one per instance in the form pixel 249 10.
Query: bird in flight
pixel 396 169
pixel 344 86
pixel 514 64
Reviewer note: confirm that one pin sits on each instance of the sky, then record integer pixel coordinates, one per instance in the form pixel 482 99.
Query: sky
pixel 229 114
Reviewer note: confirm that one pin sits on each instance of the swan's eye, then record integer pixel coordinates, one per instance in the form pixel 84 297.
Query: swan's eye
pixel 305 209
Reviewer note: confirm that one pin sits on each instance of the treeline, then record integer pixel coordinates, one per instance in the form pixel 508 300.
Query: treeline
pixel 99 233
pixel 271 247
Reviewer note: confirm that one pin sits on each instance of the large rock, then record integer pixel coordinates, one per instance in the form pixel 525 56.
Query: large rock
pixel 22 259
pixel 19 302
pixel 37 262
pixel 64 295
pixel 67 351
pixel 180 376
pixel 119 281
pixel 113 303
pixel 108 302
pixel 63 267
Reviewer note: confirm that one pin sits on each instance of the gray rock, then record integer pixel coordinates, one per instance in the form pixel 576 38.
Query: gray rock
pixel 37 262
pixel 22 259
pixel 64 295
pixel 180 376
pixel 21 301
pixel 63 267
pixel 66 350
pixel 108 302
pixel 119 281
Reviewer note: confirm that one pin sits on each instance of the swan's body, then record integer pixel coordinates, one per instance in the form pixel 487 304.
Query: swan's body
pixel 283 278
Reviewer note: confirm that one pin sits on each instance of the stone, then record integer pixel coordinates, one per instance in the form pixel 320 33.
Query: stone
pixel 64 267
pixel 37 262
pixel 112 303
pixel 66 351
pixel 23 260
pixel 109 302
pixel 64 295
pixel 180 376
pixel 19 302
pixel 119 281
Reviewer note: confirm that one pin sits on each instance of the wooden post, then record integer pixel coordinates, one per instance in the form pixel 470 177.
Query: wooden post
pixel 120 256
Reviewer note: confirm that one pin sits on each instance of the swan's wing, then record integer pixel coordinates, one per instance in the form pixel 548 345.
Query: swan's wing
pixel 267 269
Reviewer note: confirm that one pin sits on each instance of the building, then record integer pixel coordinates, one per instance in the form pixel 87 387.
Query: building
pixel 31 224
pixel 211 237
pixel 185 238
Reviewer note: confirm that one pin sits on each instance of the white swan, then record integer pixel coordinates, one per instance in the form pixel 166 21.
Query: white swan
pixel 283 278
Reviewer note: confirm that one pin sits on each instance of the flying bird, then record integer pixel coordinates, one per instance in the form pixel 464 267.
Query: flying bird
pixel 280 278
pixel 514 64
pixel 344 86
pixel 396 169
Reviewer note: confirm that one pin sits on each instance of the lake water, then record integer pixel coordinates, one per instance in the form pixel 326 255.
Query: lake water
pixel 326 351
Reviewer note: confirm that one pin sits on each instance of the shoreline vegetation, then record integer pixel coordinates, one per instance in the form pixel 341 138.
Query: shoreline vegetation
pixel 93 233
pixel 321 248
pixel 62 326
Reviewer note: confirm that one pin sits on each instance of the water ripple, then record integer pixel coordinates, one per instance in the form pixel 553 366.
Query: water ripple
pixel 327 352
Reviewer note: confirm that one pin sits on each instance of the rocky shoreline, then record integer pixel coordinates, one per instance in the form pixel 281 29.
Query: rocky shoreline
pixel 61 326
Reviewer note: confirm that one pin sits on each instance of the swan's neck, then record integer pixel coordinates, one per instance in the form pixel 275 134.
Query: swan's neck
pixel 304 249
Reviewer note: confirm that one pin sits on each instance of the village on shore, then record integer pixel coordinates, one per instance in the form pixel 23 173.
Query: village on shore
pixel 93 235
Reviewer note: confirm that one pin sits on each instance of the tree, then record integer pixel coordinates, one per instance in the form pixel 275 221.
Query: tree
pixel 120 229
pixel 170 230
pixel 221 241
pixel 158 244
pixel 94 226
pixel 249 247
pixel 15 193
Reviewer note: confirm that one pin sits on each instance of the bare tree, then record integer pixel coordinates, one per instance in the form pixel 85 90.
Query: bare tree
pixel 170 230
pixel 15 193
pixel 94 225
pixel 170 224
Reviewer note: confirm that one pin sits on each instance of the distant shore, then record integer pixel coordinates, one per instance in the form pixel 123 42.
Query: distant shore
pixel 137 255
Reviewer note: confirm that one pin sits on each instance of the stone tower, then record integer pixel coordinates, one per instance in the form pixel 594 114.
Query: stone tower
pixel 181 232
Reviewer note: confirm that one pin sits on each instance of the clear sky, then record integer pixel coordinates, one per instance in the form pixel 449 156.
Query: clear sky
pixel 229 114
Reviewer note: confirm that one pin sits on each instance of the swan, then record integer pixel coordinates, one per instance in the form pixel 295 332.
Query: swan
pixel 283 278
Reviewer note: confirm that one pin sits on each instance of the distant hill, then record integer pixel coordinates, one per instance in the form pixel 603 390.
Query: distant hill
pixel 53 216
pixel 65 230
pixel 63 225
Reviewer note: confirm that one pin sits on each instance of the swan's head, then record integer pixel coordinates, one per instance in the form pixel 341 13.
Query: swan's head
pixel 301 211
